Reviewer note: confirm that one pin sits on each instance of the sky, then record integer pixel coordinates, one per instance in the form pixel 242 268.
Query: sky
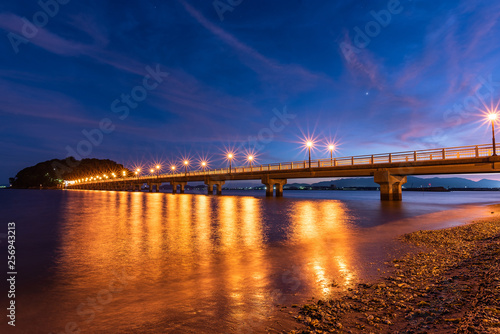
pixel 142 82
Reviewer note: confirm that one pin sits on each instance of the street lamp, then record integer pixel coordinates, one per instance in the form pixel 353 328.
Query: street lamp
pixel 492 117
pixel 230 157
pixel 124 173
pixel 203 165
pixel 172 168
pixel 309 144
pixel 186 163
pixel 331 147
pixel 250 159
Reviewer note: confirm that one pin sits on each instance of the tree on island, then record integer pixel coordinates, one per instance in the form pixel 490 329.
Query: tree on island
pixel 51 173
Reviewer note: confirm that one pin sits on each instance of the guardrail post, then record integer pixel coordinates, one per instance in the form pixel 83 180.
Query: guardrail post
pixel 279 168
pixel 269 167
pixel 414 155
pixel 372 160
pixel 352 161
pixel 477 152
pixel 390 157
pixel 319 163
pixel 291 165
pixel 444 154
pixel 304 164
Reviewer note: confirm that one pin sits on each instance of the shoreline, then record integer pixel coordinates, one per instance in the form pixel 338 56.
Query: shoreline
pixel 451 284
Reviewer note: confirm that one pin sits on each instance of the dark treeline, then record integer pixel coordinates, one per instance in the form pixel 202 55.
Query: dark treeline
pixel 49 174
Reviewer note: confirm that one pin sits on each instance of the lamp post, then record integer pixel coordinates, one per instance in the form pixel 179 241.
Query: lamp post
pixel 172 169
pixel 186 163
pixel 309 144
pixel 331 148
pixel 137 171
pixel 203 165
pixel 250 159
pixel 492 117
pixel 158 171
pixel 230 157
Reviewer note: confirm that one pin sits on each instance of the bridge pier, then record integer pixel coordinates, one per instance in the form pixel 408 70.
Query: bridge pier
pixel 136 187
pixel 174 187
pixel 218 186
pixel 270 183
pixel 154 185
pixel 390 185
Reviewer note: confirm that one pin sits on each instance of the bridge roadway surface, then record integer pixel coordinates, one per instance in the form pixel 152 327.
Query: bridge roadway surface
pixel 389 171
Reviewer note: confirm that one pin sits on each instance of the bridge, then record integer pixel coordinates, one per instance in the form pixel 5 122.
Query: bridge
pixel 389 170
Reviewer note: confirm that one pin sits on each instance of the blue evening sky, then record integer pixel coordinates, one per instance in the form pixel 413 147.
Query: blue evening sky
pixel 373 76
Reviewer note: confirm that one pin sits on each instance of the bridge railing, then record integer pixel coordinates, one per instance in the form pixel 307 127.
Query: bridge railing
pixel 451 153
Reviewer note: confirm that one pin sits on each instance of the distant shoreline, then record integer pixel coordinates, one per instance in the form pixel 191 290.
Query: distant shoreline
pixel 432 189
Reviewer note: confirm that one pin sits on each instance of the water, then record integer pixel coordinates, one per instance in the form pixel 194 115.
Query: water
pixel 118 262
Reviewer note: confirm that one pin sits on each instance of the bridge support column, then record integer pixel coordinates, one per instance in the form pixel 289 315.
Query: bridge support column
pixel 390 185
pixel 154 187
pixel 174 187
pixel 269 183
pixel 137 187
pixel 218 186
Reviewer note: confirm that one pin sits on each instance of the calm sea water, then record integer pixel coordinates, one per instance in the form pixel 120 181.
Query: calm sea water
pixel 118 262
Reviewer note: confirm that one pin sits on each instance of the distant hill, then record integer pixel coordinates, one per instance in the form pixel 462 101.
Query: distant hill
pixel 413 182
pixel 49 174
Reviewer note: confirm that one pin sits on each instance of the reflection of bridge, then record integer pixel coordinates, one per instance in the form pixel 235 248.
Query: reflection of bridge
pixel 389 171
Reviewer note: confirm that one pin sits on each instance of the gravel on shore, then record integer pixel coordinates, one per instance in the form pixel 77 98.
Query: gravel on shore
pixel 452 285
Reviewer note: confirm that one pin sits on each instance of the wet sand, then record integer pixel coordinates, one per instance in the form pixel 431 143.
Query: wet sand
pixel 450 284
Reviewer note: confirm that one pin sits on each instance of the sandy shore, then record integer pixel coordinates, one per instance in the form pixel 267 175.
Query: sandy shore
pixel 452 285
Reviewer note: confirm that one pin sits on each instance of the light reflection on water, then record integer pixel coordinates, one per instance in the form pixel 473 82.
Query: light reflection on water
pixel 196 263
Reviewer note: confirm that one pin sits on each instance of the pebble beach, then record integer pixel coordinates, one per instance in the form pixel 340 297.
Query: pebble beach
pixel 451 284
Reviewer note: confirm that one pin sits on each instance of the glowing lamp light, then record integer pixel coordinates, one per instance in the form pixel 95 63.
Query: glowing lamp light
pixel 203 163
pixel 492 116
pixel 186 162
pixel 309 144
pixel 250 157
pixel 331 147
pixel 152 170
pixel 230 156
pixel 138 170
pixel 172 168
pixel 157 166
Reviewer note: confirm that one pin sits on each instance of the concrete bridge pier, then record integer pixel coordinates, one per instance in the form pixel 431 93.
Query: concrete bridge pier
pixel 155 185
pixel 270 183
pixel 174 187
pixel 136 187
pixel 218 186
pixel 390 185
